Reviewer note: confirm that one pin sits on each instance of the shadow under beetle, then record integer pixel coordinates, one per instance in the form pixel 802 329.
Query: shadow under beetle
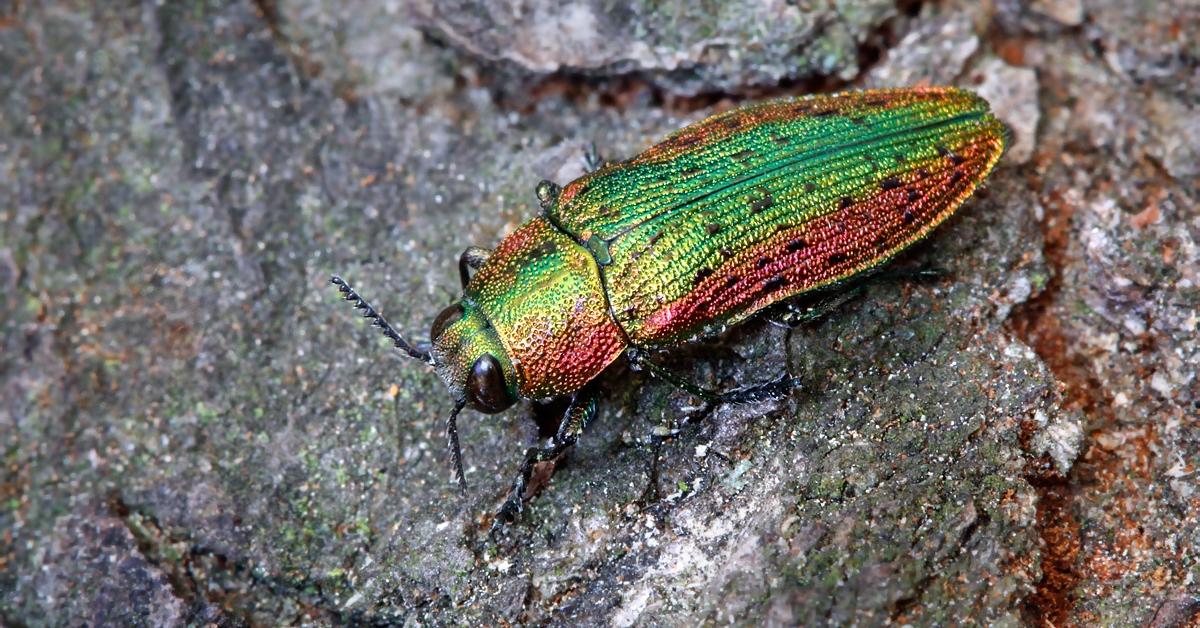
pixel 722 219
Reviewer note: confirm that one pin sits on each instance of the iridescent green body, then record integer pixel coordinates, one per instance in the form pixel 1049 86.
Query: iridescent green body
pixel 722 219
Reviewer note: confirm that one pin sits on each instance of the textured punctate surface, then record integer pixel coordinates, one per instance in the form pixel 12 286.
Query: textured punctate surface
pixel 544 296
pixel 761 203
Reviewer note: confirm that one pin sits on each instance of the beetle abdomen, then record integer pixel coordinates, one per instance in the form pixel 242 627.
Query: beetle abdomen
pixel 758 204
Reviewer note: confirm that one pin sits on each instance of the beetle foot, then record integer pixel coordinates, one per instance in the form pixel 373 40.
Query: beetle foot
pixel 508 513
pixel 920 273
pixel 592 161
pixel 761 392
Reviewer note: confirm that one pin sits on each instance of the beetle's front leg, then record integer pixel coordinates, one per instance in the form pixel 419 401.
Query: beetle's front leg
pixel 579 413
pixel 471 259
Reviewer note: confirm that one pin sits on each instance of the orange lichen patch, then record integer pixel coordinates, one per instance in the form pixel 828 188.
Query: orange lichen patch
pixel 1052 601
pixel 1039 325
pixel 1146 217
pixel 1012 50
pixel 1152 212
pixel 1170 245
pixel 1104 566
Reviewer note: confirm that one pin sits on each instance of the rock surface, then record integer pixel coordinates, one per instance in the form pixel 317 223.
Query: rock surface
pixel 196 429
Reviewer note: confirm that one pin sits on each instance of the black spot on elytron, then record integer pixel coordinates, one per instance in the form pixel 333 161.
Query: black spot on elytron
pixel 743 154
pixel 942 150
pixel 923 173
pixel 732 122
pixel 913 195
pixel 837 258
pixel 782 140
pixel 845 202
pixel 547 249
pixel 956 177
pixel 773 283
pixel 762 262
pixel 810 187
pixel 899 157
pixel 957 159
pixel 655 238
pixel 859 120
pixel 796 245
pixel 605 210
pixel 908 217
pixel 702 274
pixel 731 282
pixel 712 228
pixel 686 140
pixel 889 183
pixel 825 113
pixel 782 227
pixel 690 172
pixel 875 102
pixel 764 203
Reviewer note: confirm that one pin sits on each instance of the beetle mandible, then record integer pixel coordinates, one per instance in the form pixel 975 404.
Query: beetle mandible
pixel 722 219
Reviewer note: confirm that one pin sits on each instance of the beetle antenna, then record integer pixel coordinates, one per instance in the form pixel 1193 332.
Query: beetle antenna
pixel 419 352
pixel 455 452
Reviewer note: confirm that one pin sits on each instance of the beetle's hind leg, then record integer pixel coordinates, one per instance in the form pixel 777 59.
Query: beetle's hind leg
pixel 803 311
pixel 471 259
pixel 747 394
pixel 797 313
pixel 920 273
pixel 579 413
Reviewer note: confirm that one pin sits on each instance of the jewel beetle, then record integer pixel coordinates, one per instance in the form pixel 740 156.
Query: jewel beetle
pixel 723 218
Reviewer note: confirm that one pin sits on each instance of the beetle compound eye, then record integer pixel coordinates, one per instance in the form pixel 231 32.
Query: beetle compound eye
pixel 448 317
pixel 485 386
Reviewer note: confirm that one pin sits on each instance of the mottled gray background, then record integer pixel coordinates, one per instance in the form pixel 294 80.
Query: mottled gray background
pixel 195 430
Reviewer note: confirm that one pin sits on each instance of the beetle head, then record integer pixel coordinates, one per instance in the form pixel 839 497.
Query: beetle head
pixel 468 356
pixel 466 353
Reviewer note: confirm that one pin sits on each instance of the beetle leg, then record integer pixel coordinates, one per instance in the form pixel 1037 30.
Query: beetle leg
pixel 579 413
pixel 920 273
pixel 796 314
pixel 547 193
pixel 472 258
pixel 592 161
pixel 748 394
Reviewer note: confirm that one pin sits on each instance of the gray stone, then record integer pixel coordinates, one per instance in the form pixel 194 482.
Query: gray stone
pixel 197 430
pixel 686 48
pixel 935 53
pixel 89 571
pixel 1013 93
